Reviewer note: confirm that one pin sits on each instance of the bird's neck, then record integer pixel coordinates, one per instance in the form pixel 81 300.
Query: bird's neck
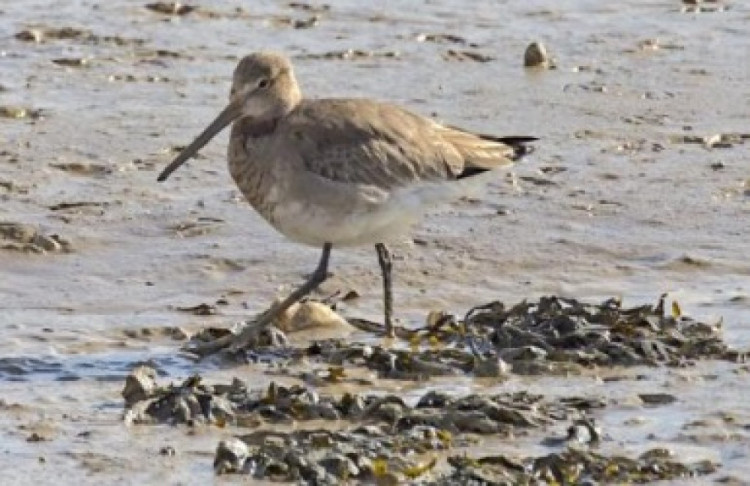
pixel 255 127
pixel 258 127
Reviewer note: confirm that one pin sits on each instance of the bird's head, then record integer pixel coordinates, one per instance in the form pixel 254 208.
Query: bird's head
pixel 263 89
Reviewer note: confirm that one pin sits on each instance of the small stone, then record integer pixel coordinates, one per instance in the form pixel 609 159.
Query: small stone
pixel 64 243
pixel 179 333
pixel 170 8
pixel 657 398
pixel 308 315
pixel 222 409
pixel 536 56
pixel 12 112
pixel 181 412
pixel 710 141
pixel 340 466
pixel 231 455
pixel 167 451
pixel 46 243
pixel 139 385
pixel 17 232
pixel 307 23
pixel 466 55
pixel 490 367
pixel 584 431
pixel 436 317
pixel 33 35
pixel 71 61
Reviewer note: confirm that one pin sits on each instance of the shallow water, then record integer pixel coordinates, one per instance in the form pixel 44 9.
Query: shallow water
pixel 610 204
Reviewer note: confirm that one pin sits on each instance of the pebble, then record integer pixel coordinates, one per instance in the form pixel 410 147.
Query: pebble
pixel 139 385
pixel 310 314
pixel 28 238
pixel 536 56
pixel 231 455
pixel 657 398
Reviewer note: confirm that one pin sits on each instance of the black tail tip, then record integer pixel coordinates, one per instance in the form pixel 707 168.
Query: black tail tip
pixel 520 145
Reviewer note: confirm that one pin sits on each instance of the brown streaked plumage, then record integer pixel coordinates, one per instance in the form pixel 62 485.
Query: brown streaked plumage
pixel 341 172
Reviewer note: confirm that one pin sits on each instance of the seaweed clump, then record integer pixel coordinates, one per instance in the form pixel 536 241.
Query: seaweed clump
pixel 607 334
pixel 573 466
pixel 384 439
pixel 193 402
pixel 553 335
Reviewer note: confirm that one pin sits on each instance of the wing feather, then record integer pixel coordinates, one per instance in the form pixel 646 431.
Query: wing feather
pixel 366 142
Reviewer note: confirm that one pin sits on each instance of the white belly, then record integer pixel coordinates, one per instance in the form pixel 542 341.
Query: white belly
pixel 314 225
pixel 367 216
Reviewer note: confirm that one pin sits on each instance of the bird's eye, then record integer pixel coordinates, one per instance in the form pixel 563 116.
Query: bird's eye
pixel 263 83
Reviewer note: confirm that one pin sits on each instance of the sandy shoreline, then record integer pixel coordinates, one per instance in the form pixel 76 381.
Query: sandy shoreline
pixel 618 200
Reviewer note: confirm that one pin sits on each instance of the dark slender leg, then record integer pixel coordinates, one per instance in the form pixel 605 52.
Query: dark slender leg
pixel 317 277
pixel 384 258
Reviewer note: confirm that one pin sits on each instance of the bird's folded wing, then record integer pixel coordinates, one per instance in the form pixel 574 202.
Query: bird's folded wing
pixel 365 142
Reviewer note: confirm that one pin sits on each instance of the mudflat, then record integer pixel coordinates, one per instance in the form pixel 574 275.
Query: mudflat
pixel 639 186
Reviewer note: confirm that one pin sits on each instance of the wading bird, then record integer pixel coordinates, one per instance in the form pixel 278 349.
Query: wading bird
pixel 341 172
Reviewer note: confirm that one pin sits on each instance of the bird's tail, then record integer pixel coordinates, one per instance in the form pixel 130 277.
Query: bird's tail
pixel 490 160
pixel 520 145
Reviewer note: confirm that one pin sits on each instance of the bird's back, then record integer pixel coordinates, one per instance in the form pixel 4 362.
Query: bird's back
pixel 364 141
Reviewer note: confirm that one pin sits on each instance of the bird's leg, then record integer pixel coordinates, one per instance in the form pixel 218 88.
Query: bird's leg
pixel 384 258
pixel 317 277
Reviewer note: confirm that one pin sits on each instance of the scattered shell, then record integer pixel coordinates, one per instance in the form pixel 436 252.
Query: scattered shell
pixel 71 61
pixel 308 7
pixel 698 6
pixel 83 168
pixel 443 38
pixel 170 8
pixel 46 243
pixel 27 238
pixel 307 23
pixel 76 205
pixel 197 227
pixel 657 398
pixel 200 309
pixel 464 55
pixel 718 140
pixel 353 55
pixel 44 34
pixel 19 112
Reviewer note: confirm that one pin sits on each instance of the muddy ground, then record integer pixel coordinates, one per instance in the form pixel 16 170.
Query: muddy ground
pixel 640 185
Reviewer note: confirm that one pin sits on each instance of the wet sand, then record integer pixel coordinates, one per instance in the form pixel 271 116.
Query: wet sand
pixel 618 200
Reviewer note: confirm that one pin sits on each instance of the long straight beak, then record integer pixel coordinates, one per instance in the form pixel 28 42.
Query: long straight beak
pixel 229 114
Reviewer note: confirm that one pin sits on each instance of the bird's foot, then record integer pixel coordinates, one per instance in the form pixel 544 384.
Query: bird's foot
pixel 251 333
pixel 258 332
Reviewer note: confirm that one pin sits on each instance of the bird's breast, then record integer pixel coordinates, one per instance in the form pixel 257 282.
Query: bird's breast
pixel 253 174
